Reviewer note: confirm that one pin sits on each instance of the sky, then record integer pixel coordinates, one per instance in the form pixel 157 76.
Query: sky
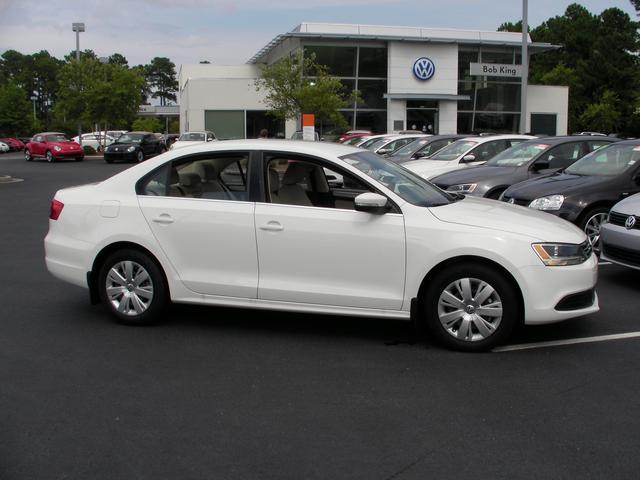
pixel 228 32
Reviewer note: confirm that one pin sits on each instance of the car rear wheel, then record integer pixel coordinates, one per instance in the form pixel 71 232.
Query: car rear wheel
pixel 131 286
pixel 139 156
pixel 49 156
pixel 470 307
pixel 27 155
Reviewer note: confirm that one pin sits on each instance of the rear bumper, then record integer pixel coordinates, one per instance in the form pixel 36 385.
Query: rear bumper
pixel 67 258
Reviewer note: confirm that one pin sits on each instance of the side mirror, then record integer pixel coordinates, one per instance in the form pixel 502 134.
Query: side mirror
pixel 540 165
pixel 419 155
pixel 209 139
pixel 469 158
pixel 371 203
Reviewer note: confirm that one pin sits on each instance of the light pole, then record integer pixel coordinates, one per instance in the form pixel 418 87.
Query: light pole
pixel 33 99
pixel 525 68
pixel 78 27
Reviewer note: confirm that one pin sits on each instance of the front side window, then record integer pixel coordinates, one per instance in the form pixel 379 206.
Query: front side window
pixel 607 161
pixel 518 155
pixel 56 138
pixel 453 151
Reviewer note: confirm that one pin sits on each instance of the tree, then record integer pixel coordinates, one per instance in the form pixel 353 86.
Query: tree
pixel 118 59
pixel 15 111
pixel 603 116
pixel 297 84
pixel 161 77
pixel 148 124
pixel 636 5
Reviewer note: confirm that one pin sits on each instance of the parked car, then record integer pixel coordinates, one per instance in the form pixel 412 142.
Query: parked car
pixel 298 135
pixel 584 192
pixel 464 153
pixel 133 146
pixel 368 140
pixel 188 139
pixel 94 140
pixel 52 146
pixel 389 145
pixel 15 145
pixel 526 160
pixel 423 147
pixel 4 148
pixel 255 224
pixel 620 235
pixel 351 134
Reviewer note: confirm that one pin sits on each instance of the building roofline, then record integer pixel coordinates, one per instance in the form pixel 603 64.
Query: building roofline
pixel 420 35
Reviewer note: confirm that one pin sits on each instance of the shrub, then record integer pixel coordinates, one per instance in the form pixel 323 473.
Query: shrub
pixel 89 150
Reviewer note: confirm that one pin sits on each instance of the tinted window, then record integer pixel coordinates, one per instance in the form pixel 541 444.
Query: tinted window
pixel 610 160
pixel 453 151
pixel 518 155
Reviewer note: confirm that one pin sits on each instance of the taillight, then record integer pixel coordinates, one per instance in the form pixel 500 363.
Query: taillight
pixel 56 209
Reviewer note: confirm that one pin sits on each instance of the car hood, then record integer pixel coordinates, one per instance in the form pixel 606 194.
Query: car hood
pixel 629 206
pixel 561 183
pixel 182 144
pixel 474 174
pixel 68 144
pixel 494 215
pixel 121 146
pixel 431 168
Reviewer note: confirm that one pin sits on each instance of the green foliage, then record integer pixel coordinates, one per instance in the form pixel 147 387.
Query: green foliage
pixel 597 54
pixel 174 126
pixel 297 84
pixel 89 150
pixel 636 5
pixel 161 77
pixel 148 124
pixel 16 118
pixel 603 116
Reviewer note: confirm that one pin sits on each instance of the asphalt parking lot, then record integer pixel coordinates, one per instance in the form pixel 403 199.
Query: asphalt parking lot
pixel 241 394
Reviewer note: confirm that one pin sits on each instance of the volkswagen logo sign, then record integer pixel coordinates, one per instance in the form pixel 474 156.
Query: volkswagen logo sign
pixel 424 68
pixel 630 223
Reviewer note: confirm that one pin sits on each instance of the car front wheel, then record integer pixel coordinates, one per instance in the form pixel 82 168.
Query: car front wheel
pixel 27 155
pixel 139 156
pixel 49 156
pixel 132 287
pixel 471 307
pixel 591 224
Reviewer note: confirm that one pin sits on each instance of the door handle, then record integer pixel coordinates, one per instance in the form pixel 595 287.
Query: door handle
pixel 163 219
pixel 272 226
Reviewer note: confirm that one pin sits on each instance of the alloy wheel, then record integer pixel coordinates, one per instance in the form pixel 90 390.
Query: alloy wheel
pixel 49 157
pixel 470 309
pixel 129 288
pixel 592 228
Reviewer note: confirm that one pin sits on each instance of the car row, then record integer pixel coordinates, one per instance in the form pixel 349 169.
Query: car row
pixel 255 223
pixel 14 144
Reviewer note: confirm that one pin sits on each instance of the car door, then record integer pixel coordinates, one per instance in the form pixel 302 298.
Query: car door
pixel 205 228
pixel 38 146
pixel 559 157
pixel 314 248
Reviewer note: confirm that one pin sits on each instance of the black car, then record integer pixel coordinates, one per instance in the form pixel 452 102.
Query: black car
pixel 584 192
pixel 530 159
pixel 134 147
pixel 423 147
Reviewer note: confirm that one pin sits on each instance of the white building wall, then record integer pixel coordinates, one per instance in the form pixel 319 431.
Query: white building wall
pixel 396 110
pixel 448 117
pixel 402 56
pixel 549 99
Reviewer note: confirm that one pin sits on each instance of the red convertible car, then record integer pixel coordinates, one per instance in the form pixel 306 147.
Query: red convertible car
pixel 52 146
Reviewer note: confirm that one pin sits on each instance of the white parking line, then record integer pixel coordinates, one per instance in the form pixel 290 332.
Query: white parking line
pixel 569 341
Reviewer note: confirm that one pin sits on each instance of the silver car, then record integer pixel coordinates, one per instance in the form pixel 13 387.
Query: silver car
pixel 620 237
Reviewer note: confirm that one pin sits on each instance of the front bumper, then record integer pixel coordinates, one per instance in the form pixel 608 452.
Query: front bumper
pixel 120 156
pixel 620 245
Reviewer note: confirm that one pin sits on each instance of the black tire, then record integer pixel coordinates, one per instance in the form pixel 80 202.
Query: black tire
pixel 130 295
pixel 139 156
pixel 474 340
pixel 494 195
pixel 27 155
pixel 587 226
pixel 49 156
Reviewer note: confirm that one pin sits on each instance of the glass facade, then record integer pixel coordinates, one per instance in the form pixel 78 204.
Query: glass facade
pixel 362 68
pixel 494 102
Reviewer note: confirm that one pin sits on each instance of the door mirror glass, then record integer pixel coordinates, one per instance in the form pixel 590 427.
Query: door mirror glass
pixel 469 158
pixel 541 164
pixel 371 202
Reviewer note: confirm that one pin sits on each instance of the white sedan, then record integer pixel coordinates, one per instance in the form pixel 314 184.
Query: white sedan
pixel 189 139
pixel 254 223
pixel 4 148
pixel 466 152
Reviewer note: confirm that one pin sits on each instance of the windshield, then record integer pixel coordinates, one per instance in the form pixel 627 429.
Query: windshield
pixel 192 137
pixel 454 150
pixel 374 145
pixel 607 161
pixel 518 155
pixel 57 138
pixel 130 138
pixel 407 185
pixel 412 148
pixel 368 142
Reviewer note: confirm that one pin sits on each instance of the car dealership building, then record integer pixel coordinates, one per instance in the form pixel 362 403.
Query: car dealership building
pixel 434 80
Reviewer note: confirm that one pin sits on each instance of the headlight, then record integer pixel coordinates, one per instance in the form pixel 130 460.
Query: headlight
pixel 57 148
pixel 131 149
pixel 462 188
pixel 561 254
pixel 552 202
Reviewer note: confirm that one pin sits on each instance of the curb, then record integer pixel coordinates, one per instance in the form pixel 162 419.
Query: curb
pixel 9 179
